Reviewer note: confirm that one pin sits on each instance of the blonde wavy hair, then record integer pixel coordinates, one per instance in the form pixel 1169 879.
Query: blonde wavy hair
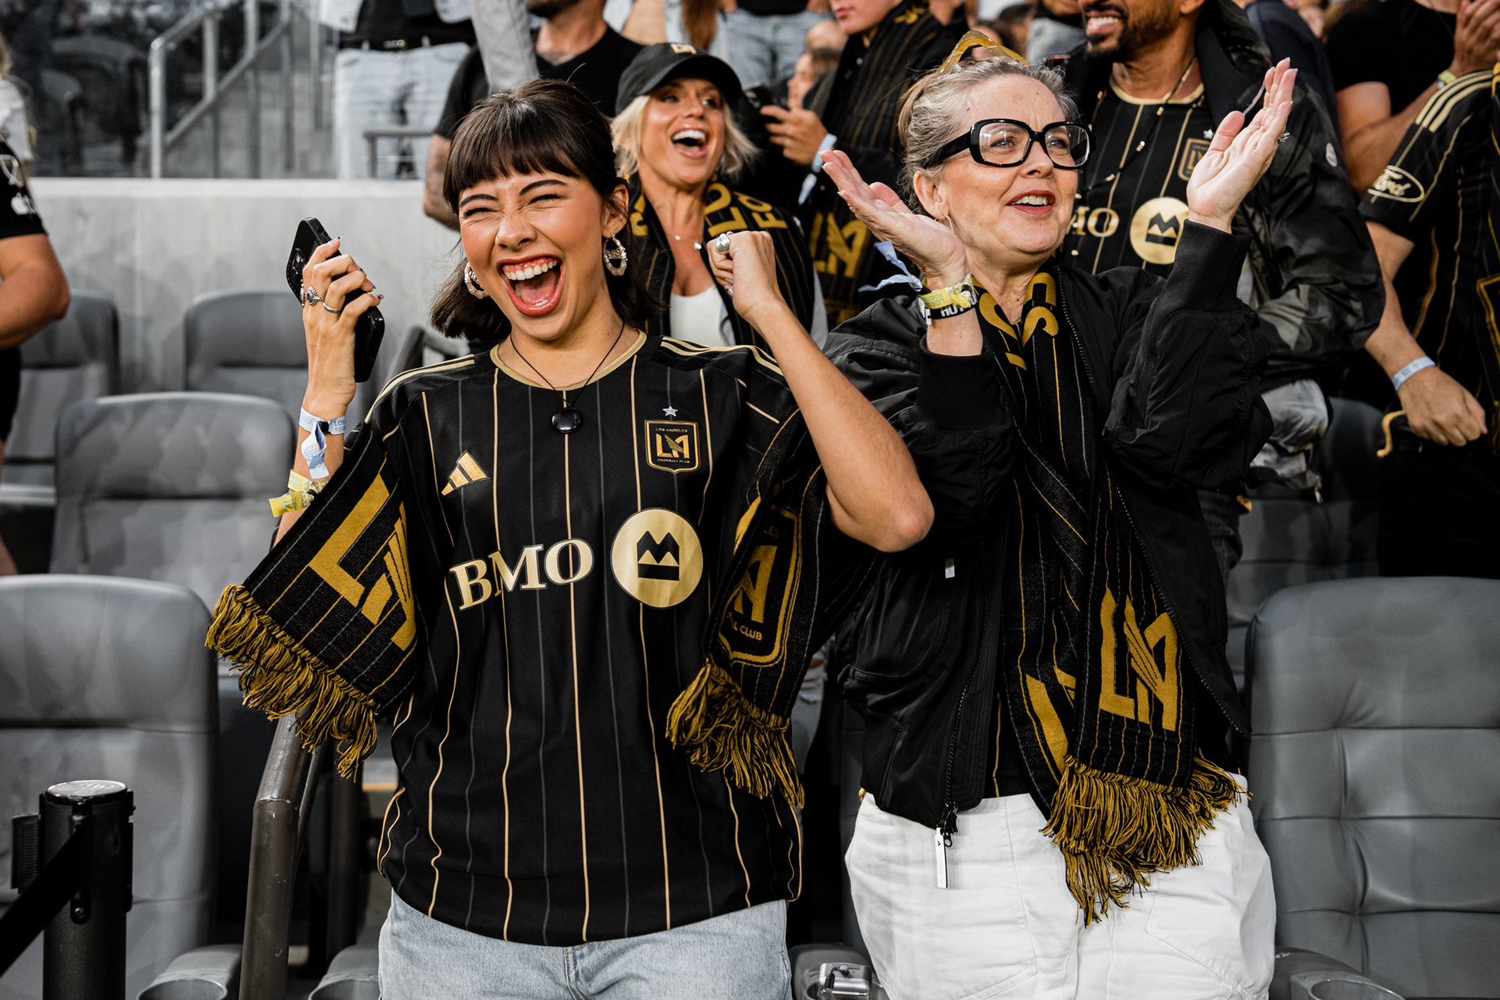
pixel 739 151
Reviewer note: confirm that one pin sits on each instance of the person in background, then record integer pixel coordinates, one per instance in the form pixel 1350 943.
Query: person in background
pixel 891 43
pixel 502 30
pixel 1389 57
pixel 1155 78
pixel 1288 35
pixel 1314 14
pixel 1011 26
pixel 1432 215
pixel 574 43
pixel 679 149
pixel 33 292
pixel 812 66
pixel 1056 28
pixel 769 37
pixel 699 23
pixel 15 124
pixel 391 71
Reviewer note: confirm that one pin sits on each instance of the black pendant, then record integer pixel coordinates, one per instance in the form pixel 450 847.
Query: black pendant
pixel 567 420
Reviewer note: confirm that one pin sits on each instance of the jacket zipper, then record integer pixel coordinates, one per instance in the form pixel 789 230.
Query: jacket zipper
pixel 1088 372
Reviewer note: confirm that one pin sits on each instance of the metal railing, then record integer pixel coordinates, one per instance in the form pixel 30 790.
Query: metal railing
pixel 215 87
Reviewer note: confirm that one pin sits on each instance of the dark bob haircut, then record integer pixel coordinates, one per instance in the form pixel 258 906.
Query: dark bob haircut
pixel 545 126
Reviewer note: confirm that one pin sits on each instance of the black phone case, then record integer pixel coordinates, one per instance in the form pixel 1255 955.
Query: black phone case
pixel 369 329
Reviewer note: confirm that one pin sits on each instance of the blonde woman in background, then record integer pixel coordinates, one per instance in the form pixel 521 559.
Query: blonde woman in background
pixel 15 128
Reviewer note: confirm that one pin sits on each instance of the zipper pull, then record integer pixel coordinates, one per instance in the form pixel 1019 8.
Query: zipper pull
pixel 942 839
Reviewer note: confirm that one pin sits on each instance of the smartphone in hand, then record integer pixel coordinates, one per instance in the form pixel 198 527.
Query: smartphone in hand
pixel 369 329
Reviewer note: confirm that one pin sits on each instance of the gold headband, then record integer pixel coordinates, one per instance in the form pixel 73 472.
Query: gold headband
pixel 973 41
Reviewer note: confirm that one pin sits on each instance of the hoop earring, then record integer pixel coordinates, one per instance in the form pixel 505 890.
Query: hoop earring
pixel 615 257
pixel 471 282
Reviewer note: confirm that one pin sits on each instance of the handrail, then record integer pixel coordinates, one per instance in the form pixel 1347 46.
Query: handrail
pixel 374 135
pixel 215 88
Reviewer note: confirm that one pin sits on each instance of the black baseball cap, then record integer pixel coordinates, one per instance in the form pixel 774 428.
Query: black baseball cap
pixel 661 63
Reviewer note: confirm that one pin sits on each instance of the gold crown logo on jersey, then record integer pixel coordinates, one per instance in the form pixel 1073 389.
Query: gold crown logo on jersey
pixel 466 472
pixel 658 558
pixel 672 445
pixel 1155 229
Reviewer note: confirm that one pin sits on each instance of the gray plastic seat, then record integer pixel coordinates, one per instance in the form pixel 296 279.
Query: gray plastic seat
pixel 252 343
pixel 1376 710
pixel 1290 539
pixel 75 358
pixel 169 486
pixel 108 678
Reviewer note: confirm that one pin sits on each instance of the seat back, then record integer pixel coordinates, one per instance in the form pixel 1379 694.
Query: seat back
pixel 169 486
pixel 250 343
pixel 1291 539
pixel 107 678
pixel 75 358
pixel 1376 711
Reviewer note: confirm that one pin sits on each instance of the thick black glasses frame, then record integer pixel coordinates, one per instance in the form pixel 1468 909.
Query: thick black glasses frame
pixel 970 142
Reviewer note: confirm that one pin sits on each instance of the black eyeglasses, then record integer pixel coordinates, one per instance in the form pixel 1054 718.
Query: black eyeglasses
pixel 1005 142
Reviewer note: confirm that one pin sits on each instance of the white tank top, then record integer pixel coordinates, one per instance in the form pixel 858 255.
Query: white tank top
pixel 700 318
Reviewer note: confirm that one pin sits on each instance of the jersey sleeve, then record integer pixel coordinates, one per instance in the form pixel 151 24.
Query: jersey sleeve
pixel 1419 178
pixel 18 213
pixel 326 628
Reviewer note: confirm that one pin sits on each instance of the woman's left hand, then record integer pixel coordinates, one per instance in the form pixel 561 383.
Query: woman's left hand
pixel 1240 154
pixel 747 271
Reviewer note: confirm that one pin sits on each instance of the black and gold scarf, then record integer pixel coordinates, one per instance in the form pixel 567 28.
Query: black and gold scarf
pixel 724 211
pixel 1092 669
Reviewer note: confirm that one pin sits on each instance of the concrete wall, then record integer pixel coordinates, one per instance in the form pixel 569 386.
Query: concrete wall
pixel 157 245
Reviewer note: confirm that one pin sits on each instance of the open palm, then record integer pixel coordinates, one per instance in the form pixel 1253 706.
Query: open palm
pixel 1241 153
pixel 930 244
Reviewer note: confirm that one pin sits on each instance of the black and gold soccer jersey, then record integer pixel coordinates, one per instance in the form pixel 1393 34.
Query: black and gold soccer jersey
pixel 1132 197
pixel 1441 191
pixel 538 602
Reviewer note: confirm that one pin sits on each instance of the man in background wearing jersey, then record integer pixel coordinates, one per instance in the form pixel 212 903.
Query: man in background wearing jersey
pixel 1152 80
pixel 1432 214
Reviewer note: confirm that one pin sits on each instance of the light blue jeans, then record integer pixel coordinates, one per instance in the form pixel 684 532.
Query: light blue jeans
pixel 765 49
pixel 739 956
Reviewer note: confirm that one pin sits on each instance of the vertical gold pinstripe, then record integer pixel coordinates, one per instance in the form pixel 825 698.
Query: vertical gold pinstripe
pixel 432 456
pixel 387 824
pixel 1110 201
pixel 661 809
pixel 1176 155
pixel 510 888
pixel 583 817
pixel 729 790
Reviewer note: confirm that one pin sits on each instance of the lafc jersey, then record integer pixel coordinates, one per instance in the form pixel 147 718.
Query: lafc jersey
pixel 1132 197
pixel 1441 191
pixel 562 585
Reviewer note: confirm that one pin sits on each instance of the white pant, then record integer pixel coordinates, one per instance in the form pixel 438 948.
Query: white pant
pixel 1008 927
pixel 376 89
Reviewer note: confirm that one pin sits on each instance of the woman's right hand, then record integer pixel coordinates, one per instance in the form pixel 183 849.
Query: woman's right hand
pixel 929 244
pixel 346 294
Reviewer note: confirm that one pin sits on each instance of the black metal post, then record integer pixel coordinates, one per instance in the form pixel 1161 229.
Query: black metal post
pixel 83 950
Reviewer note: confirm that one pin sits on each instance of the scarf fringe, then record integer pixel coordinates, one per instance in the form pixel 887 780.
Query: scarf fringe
pixel 723 731
pixel 280 677
pixel 1115 830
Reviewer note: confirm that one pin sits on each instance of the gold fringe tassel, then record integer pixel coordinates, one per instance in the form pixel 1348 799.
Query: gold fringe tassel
pixel 722 731
pixel 280 677
pixel 1115 831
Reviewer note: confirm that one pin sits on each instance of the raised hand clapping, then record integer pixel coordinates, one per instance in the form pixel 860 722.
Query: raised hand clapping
pixel 1240 154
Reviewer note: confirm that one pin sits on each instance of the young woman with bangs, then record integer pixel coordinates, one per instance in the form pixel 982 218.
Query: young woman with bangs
pixel 577 576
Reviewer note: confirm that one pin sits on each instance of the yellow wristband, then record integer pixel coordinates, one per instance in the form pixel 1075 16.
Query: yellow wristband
pixel 942 303
pixel 298 496
pixel 1446 77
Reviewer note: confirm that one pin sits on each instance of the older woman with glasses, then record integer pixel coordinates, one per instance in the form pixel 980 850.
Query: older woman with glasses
pixel 1054 810
pixel 679 148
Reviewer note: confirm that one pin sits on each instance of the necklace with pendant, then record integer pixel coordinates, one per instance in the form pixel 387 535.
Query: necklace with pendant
pixel 567 420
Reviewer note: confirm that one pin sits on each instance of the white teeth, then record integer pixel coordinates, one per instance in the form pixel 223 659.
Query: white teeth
pixel 1037 200
pixel 523 272
pixel 690 133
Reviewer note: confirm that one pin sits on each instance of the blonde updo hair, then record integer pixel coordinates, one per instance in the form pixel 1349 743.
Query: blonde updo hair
pixel 739 151
pixel 931 110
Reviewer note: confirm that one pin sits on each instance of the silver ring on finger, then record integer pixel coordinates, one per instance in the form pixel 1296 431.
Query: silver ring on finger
pixel 1284 137
pixel 310 296
pixel 327 308
pixel 722 243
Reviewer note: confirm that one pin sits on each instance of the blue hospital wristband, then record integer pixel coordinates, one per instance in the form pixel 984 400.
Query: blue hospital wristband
pixel 1404 375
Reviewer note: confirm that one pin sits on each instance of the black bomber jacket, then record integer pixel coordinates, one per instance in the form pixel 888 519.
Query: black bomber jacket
pixel 1174 370
pixel 1317 284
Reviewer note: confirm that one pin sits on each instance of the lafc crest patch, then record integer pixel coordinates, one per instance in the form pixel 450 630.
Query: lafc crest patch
pixel 1192 152
pixel 672 445
pixel 765 593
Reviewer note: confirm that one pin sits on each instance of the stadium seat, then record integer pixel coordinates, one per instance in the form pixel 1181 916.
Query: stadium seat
pixel 75 358
pixel 251 342
pixel 108 678
pixel 1290 539
pixel 1376 711
pixel 169 486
